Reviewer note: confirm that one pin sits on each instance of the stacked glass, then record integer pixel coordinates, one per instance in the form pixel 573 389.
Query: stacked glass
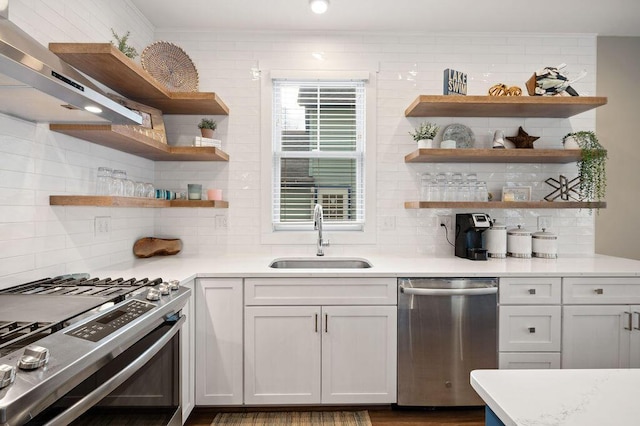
pixel 452 187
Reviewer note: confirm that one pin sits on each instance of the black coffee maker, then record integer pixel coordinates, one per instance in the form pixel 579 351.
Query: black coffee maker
pixel 469 229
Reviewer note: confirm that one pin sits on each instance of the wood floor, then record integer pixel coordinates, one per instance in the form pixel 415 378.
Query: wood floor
pixel 382 416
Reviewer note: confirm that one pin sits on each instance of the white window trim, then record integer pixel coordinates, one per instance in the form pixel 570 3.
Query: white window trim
pixel 337 237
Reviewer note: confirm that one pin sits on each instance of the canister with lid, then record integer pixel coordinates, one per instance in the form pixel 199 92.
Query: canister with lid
pixel 496 240
pixel 545 244
pixel 519 242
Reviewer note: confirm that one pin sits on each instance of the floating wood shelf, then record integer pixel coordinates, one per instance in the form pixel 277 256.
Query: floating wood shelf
pixel 493 156
pixel 502 106
pixel 504 205
pixel 110 201
pixel 126 139
pixel 111 67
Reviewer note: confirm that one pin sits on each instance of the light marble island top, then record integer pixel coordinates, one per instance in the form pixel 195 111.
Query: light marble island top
pixel 561 397
pixel 184 267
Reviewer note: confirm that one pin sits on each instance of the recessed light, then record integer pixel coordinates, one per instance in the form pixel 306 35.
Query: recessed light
pixel 93 109
pixel 319 6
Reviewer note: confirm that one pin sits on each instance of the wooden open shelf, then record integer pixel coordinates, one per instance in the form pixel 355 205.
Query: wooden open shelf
pixel 468 155
pixel 504 205
pixel 111 67
pixel 110 201
pixel 502 106
pixel 126 139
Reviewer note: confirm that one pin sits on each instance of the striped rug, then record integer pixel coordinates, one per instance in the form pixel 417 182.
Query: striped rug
pixel 294 418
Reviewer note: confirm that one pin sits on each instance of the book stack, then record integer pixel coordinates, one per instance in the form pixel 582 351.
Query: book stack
pixel 200 141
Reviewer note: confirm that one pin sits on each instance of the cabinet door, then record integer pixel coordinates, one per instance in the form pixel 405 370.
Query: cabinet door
pixel 595 337
pixel 359 354
pixel 634 358
pixel 282 354
pixel 219 341
pixel 528 360
pixel 187 354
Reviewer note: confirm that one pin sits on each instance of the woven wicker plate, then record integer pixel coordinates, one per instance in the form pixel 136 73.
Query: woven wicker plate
pixel 171 66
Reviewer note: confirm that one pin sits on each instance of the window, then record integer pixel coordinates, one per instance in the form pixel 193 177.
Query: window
pixel 318 153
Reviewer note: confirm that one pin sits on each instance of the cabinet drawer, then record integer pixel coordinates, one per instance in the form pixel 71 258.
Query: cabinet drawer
pixel 602 290
pixel 529 360
pixel 530 291
pixel 529 328
pixel 320 291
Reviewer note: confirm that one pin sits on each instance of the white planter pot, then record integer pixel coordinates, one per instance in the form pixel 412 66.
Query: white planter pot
pixel 571 143
pixel 425 143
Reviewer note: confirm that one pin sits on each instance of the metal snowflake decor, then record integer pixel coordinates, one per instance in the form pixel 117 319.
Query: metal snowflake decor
pixel 565 189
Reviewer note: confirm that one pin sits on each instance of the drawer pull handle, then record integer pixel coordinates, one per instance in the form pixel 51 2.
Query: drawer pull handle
pixel 598 291
pixel 629 321
pixel 638 326
pixel 532 330
pixel 326 323
pixel 316 323
pixel 532 291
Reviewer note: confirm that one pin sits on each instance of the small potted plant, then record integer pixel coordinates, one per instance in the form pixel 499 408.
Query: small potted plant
pixel 424 134
pixel 591 166
pixel 121 43
pixel 207 126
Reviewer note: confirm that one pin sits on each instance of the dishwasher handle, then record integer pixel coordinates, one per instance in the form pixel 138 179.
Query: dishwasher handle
pixel 449 291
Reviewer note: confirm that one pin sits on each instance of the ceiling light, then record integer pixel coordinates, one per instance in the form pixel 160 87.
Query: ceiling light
pixel 93 109
pixel 319 6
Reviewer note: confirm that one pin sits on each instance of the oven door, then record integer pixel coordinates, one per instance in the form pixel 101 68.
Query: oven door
pixel 139 386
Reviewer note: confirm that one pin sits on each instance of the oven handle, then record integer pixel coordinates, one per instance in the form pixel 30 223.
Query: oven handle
pixel 449 291
pixel 88 401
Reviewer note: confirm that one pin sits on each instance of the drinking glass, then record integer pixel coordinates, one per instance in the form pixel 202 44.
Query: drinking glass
pixel 149 191
pixel 117 183
pixel 129 188
pixel 139 190
pixel 426 182
pixel 104 180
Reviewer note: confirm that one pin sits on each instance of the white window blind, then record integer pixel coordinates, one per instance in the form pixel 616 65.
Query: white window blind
pixel 318 153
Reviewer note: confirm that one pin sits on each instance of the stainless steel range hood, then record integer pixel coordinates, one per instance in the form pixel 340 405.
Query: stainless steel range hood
pixel 36 85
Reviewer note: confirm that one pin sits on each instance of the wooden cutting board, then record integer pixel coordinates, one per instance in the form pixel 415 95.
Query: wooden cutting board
pixel 150 246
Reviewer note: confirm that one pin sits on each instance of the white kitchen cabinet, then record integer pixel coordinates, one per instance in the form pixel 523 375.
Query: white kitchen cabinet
pixel 219 341
pixel 601 322
pixel 320 355
pixel 187 354
pixel 529 330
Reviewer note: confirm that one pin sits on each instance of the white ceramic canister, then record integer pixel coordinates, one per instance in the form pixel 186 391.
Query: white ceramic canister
pixel 544 244
pixel 519 243
pixel 496 241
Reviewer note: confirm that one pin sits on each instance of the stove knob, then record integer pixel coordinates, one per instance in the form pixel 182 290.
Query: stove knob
pixel 153 294
pixel 33 357
pixel 164 289
pixel 174 285
pixel 7 375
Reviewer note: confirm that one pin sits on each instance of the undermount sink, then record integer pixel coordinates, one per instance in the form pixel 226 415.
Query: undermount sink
pixel 320 263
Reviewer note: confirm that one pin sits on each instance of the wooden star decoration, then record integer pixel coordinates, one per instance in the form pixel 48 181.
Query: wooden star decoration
pixel 523 140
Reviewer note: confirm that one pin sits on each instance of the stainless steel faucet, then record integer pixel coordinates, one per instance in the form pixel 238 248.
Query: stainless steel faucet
pixel 317 225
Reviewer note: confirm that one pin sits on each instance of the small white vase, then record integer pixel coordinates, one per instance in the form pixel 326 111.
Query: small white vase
pixel 425 143
pixel 571 143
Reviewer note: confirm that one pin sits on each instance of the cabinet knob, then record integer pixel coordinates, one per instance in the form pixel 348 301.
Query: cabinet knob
pixel 532 291
pixel 532 330
pixel 598 291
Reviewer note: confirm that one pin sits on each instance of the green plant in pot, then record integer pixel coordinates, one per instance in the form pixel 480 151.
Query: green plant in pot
pixel 591 166
pixel 424 134
pixel 121 43
pixel 207 126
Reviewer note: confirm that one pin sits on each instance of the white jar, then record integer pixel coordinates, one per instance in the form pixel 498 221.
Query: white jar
pixel 496 241
pixel 544 244
pixel 519 243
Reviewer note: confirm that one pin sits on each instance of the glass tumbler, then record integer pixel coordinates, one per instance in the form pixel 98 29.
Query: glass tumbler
pixel 117 183
pixel 140 190
pixel 149 190
pixel 129 188
pixel 104 181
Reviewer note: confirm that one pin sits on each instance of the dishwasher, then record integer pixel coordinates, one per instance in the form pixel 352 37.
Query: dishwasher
pixel 447 327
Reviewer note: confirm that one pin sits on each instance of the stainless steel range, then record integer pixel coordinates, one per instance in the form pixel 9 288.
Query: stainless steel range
pixel 75 347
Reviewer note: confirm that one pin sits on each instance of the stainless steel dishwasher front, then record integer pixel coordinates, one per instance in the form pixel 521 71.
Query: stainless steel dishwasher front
pixel 447 327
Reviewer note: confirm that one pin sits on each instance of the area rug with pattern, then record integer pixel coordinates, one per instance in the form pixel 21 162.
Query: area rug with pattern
pixel 294 418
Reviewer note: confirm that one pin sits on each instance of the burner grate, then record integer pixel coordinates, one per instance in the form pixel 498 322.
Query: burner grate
pixel 70 286
pixel 16 334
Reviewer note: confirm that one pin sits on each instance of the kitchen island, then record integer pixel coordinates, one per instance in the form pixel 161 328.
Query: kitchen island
pixel 588 397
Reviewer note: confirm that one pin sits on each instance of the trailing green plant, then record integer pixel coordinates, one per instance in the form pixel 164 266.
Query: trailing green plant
pixel 425 130
pixel 121 44
pixel 207 123
pixel 591 166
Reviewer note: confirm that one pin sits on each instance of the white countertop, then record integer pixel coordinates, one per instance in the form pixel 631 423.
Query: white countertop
pixel 561 397
pixel 184 267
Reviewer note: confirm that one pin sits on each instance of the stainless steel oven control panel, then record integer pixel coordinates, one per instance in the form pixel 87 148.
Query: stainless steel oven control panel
pixel 108 323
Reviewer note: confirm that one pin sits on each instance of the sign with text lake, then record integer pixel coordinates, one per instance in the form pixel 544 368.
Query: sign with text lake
pixel 455 82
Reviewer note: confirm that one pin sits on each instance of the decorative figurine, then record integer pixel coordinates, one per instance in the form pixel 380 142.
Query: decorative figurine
pixel 564 189
pixel 498 140
pixel 502 90
pixel 550 81
pixel 523 140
